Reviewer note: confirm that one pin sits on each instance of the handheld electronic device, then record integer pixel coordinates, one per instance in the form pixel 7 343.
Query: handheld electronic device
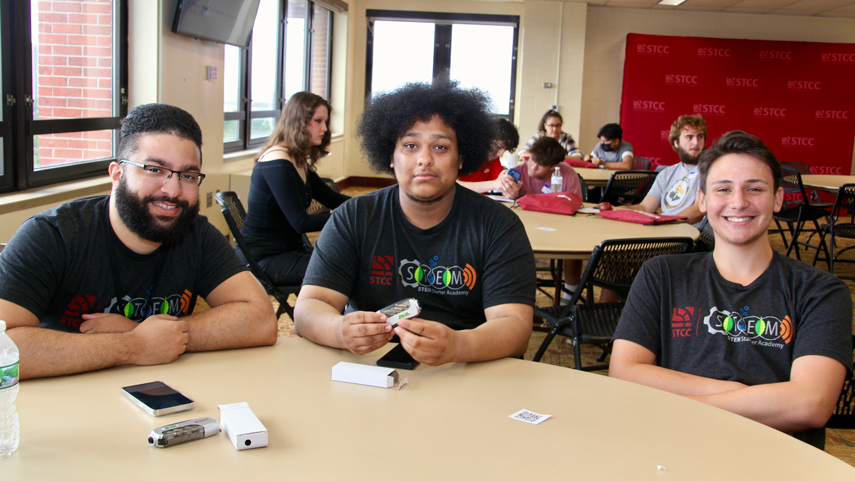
pixel 515 174
pixel 398 358
pixel 183 432
pixel 401 310
pixel 157 398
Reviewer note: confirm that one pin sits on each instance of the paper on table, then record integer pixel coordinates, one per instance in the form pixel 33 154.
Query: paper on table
pixel 588 210
pixel 500 198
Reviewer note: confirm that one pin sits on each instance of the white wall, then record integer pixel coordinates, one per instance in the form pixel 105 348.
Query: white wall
pixel 605 45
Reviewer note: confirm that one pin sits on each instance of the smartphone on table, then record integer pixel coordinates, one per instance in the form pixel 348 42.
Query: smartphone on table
pixel 157 398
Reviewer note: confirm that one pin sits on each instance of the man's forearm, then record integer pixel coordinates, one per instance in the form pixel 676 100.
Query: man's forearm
pixel 46 352
pixel 232 325
pixel 318 322
pixel 668 380
pixel 506 335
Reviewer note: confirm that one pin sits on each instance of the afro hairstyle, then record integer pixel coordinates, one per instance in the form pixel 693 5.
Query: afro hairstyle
pixel 388 116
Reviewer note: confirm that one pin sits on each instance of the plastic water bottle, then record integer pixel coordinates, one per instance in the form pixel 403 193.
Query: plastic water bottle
pixel 557 183
pixel 9 430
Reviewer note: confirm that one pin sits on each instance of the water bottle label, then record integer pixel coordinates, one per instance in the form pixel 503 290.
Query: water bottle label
pixel 8 375
pixel 546 189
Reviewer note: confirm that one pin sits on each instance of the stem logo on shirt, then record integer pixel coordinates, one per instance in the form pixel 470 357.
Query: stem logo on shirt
pixel 136 309
pixel 437 279
pixel 744 327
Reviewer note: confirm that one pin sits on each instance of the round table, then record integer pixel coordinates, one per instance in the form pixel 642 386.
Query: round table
pixel 449 422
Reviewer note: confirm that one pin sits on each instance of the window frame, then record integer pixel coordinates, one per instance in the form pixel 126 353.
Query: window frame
pixel 245 115
pixel 442 42
pixel 18 128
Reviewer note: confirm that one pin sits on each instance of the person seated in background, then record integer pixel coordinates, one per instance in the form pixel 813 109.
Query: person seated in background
pixel 612 152
pixel 676 188
pixel 464 257
pixel 490 176
pixel 535 178
pixel 282 187
pixel 550 126
pixel 545 155
pixel 109 280
pixel 742 328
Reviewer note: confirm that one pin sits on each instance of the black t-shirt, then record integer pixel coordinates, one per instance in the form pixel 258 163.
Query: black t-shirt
pixel 695 321
pixel 479 256
pixel 276 216
pixel 58 266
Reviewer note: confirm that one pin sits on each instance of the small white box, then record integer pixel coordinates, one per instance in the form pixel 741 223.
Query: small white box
pixel 361 374
pixel 244 430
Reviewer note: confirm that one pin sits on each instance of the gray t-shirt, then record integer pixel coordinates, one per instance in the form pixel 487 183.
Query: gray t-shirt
pixel 624 149
pixel 479 256
pixel 676 187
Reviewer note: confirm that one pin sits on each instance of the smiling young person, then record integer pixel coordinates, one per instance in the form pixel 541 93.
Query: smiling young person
pixel 282 187
pixel 109 280
pixel 742 328
pixel 465 258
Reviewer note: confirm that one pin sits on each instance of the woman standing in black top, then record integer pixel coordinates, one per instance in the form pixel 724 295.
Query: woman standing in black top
pixel 282 187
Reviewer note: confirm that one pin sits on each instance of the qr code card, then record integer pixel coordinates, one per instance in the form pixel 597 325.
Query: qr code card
pixel 527 416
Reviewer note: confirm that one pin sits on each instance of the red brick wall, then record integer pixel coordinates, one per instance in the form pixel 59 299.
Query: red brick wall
pixel 319 51
pixel 74 76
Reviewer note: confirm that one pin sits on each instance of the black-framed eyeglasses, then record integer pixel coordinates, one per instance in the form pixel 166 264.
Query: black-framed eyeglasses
pixel 188 177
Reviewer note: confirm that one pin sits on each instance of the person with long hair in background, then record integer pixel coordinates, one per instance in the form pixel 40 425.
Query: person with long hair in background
pixel 282 187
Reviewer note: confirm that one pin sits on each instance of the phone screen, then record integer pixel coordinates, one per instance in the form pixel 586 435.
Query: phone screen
pixel 157 395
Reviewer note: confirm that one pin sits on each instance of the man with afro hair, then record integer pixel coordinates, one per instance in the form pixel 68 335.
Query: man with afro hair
pixel 465 258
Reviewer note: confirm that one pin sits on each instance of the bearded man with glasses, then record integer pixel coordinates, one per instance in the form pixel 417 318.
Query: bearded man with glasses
pixel 110 280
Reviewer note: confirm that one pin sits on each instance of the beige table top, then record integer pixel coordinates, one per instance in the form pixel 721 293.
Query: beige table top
pixel 827 182
pixel 449 422
pixel 564 236
pixel 595 177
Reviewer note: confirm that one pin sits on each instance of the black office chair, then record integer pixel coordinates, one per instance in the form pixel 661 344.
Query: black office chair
pixel 235 214
pixel 628 187
pixel 584 187
pixel 838 227
pixel 844 412
pixel 613 265
pixel 640 163
pixel 706 241
pixel 797 213
pixel 316 207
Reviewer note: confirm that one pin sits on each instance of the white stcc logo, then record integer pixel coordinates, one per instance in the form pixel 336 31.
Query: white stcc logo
pixel 644 48
pixel 832 115
pixel 769 112
pixel 803 85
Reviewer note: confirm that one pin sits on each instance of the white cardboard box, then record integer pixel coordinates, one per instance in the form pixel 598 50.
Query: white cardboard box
pixel 244 430
pixel 361 374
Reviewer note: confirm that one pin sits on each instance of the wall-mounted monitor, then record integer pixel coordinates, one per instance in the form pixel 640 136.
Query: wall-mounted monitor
pixel 224 21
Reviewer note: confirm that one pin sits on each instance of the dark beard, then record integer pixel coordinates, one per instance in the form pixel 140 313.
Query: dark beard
pixel 135 214
pixel 686 158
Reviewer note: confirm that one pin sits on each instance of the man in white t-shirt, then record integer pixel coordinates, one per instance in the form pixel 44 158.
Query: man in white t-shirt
pixel 676 187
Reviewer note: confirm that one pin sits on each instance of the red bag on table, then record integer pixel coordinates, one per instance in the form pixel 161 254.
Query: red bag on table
pixel 579 163
pixel 638 217
pixel 565 203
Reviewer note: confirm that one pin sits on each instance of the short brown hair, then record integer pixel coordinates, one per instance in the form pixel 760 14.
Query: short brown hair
pixel 738 142
pixel 547 152
pixel 694 121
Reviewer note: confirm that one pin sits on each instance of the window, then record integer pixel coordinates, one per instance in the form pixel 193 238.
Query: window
pixel 64 97
pixel 476 50
pixel 278 63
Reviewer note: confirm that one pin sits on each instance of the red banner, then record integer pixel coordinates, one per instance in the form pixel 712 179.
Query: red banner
pixel 796 96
